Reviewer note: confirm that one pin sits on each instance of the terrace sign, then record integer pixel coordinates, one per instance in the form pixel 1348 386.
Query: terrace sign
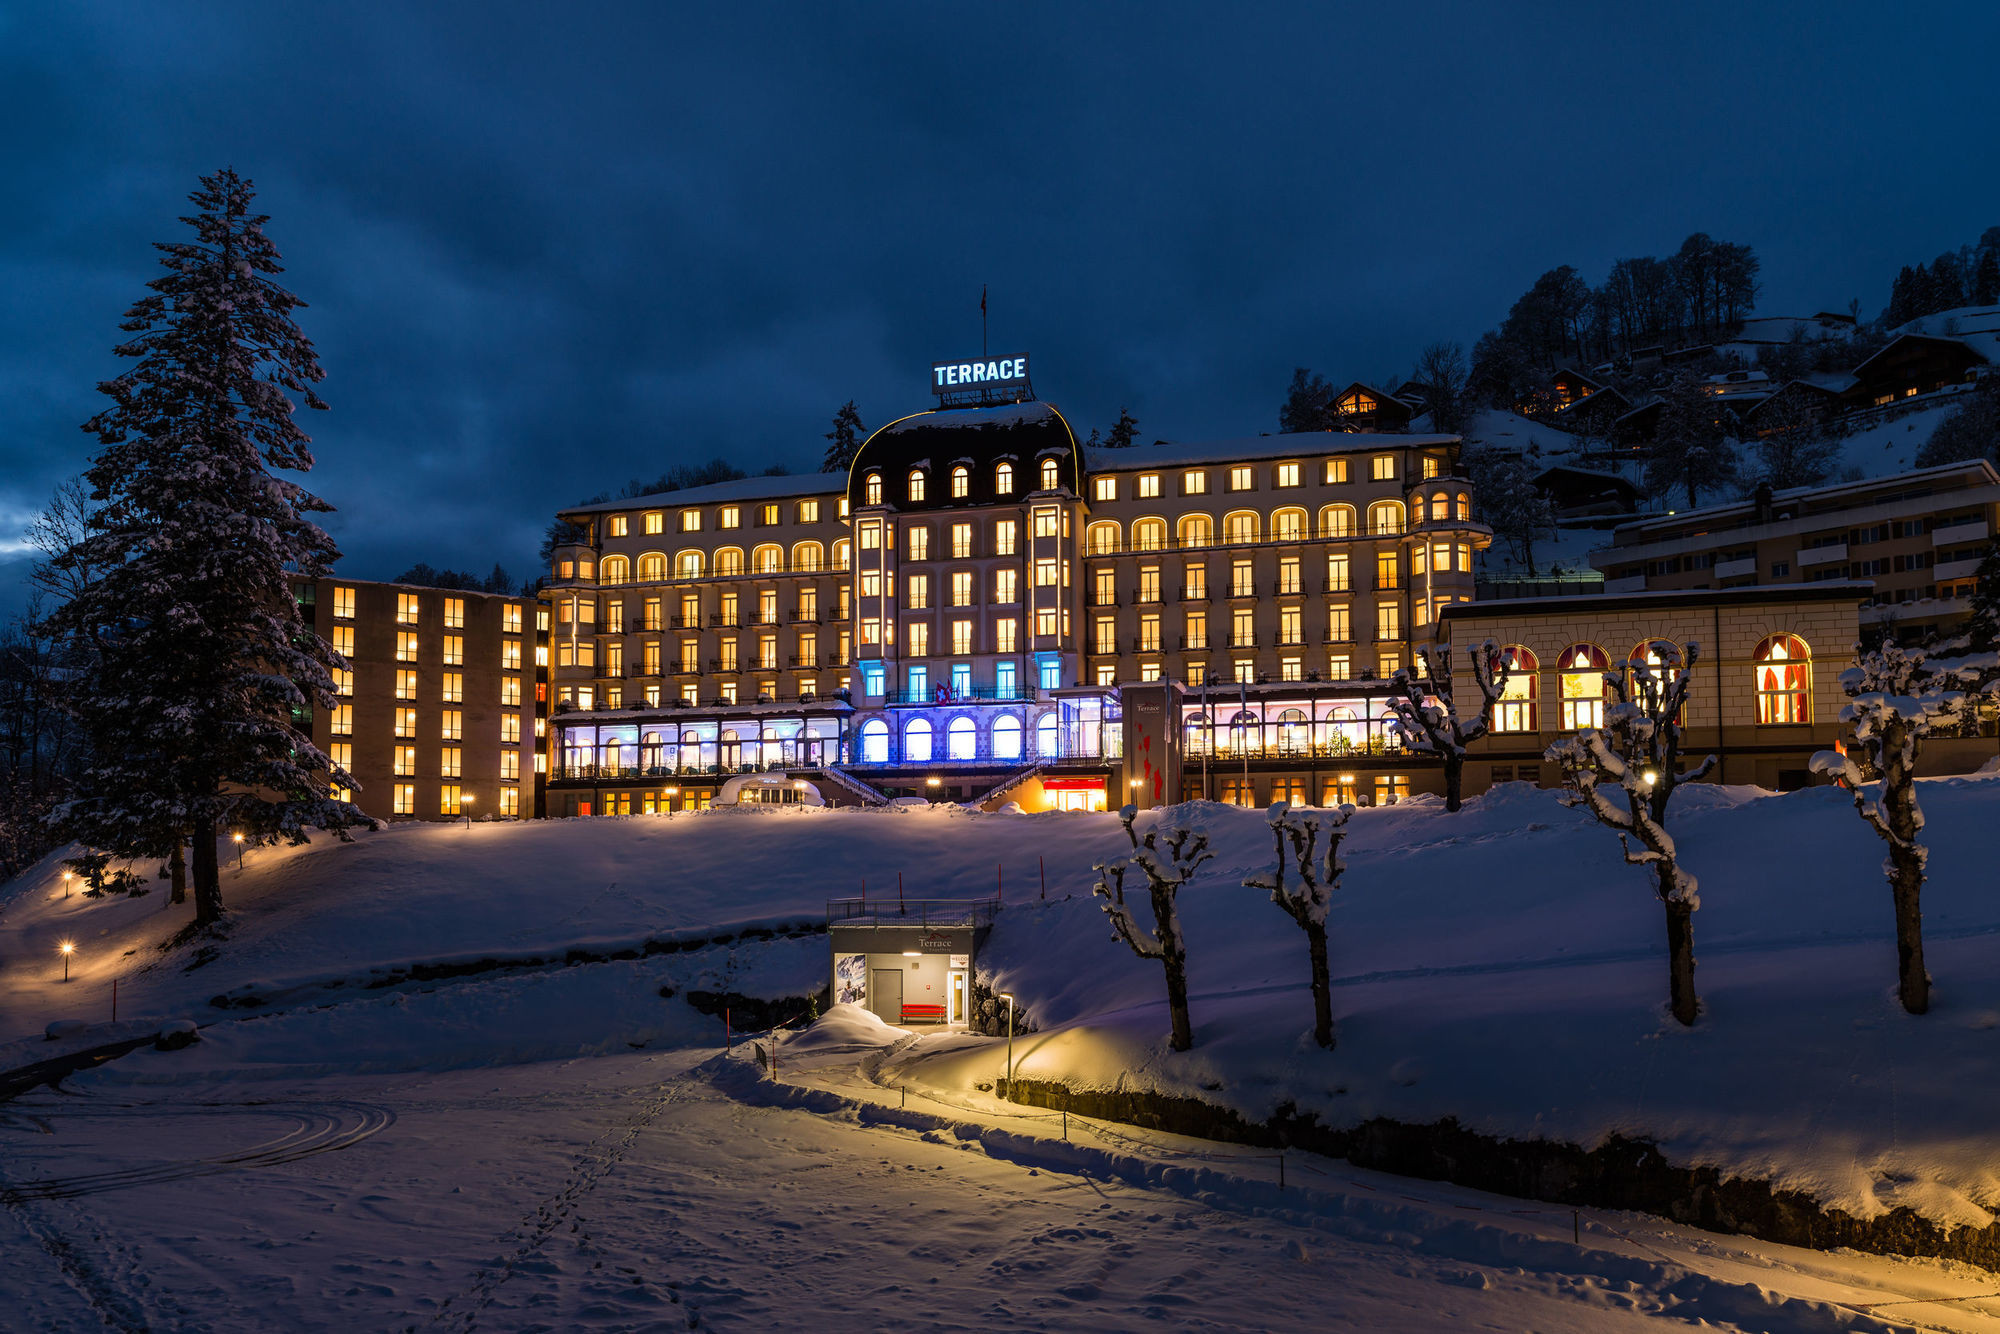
pixel 999 377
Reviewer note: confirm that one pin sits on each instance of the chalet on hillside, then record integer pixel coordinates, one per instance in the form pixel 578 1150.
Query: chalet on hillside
pixel 1793 404
pixel 1639 426
pixel 1585 492
pixel 1361 407
pixel 1594 413
pixel 1573 386
pixel 1910 365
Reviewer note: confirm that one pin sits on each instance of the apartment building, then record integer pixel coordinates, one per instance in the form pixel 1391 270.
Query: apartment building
pixel 966 611
pixel 439 710
pixel 1916 538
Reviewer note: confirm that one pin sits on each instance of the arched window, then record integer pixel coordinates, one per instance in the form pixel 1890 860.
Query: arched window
pixel 1006 737
pixel 1197 530
pixel 917 742
pixel 1385 518
pixel 1003 479
pixel 729 560
pixel 1515 711
pixel 961 482
pixel 962 738
pixel 1149 534
pixel 1784 680
pixel 1464 506
pixel 871 489
pixel 1242 526
pixel 1337 521
pixel 652 565
pixel 840 554
pixel 1292 732
pixel 1288 526
pixel 916 484
pixel 1102 537
pixel 806 556
pixel 874 742
pixel 1440 507
pixel 1051 475
pixel 687 565
pixel 1245 736
pixel 1582 667
pixel 768 560
pixel 614 570
pixel 1048 737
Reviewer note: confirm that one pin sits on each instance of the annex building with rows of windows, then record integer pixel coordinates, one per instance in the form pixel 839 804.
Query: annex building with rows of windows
pixel 982 609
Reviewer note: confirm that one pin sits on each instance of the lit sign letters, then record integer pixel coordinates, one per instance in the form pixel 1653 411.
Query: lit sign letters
pixel 949 375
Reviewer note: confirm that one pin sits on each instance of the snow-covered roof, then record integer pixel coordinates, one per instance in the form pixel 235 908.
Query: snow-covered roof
pixel 1833 590
pixel 1711 512
pixel 1285 444
pixel 799 485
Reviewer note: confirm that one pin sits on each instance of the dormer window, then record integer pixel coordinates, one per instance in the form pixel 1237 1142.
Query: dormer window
pixel 1051 475
pixel 872 489
pixel 916 484
pixel 961 482
pixel 1003 479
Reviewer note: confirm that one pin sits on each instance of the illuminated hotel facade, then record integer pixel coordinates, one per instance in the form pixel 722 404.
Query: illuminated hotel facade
pixel 983 610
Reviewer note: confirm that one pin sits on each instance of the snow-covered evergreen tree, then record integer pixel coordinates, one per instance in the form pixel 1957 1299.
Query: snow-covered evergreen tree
pixel 1308 403
pixel 1897 697
pixel 1638 750
pixel 1427 718
pixel 1690 451
pixel 200 711
pixel 1122 431
pixel 844 440
pixel 1165 868
pixel 1316 871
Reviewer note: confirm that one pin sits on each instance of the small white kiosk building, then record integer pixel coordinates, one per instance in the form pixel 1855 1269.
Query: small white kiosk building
pixel 908 961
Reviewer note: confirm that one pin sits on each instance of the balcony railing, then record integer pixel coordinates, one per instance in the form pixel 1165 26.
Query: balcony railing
pixel 973 694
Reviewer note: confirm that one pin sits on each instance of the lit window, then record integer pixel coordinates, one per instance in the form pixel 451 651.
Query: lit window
pixel 1003 479
pixel 341 753
pixel 1045 627
pixel 343 681
pixel 916 590
pixel 1004 631
pixel 961 541
pixel 655 523
pixel 405 799
pixel 690 521
pixel 510 765
pixel 1515 710
pixel 1149 485
pixel 1433 466
pixel 406 608
pixel 1382 467
pixel 1582 682
pixel 1784 680
pixel 916 492
pixel 919 645
pixel 961 482
pixel 1288 474
pixel 406 646
pixel 406 722
pixel 448 799
pixel 343 640
pixel 450 758
pixel 768 516
pixel 871 536
pixel 1051 475
pixel 1194 482
pixel 1336 472
pixel 510 618
pixel 1045 574
pixel 452 724
pixel 510 729
pixel 343 603
pixel 406 683
pixel 1045 523
pixel 871 489
pixel 808 511
pixel 1104 488
pixel 1005 535
pixel 510 654
pixel 454 687
pixel 454 650
pixel 731 517
pixel 510 690
pixel 510 800
pixel 1388 622
pixel 341 722
pixel 919 541
pixel 620 526
pixel 1241 479
pixel 454 613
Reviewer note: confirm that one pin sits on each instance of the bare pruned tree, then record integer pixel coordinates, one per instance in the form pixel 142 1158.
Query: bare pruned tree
pixel 1897 697
pixel 1441 370
pixel 1638 750
pixel 1316 871
pixel 1428 719
pixel 1166 867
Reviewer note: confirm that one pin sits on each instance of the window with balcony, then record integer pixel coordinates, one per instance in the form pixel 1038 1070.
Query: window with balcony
pixel 1388 622
pixel 916 590
pixel 961 541
pixel 1196 633
pixel 1242 579
pixel 961 588
pixel 961 637
pixel 1005 630
pixel 1388 570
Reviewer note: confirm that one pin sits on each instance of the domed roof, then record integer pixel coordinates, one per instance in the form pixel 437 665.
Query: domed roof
pixel 979 438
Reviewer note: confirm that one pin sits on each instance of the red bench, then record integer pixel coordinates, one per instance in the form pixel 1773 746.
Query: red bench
pixel 930 1014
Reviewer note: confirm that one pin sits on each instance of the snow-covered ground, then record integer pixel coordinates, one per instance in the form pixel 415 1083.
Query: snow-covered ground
pixel 350 1156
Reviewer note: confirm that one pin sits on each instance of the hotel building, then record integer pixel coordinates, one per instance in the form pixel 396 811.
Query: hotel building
pixel 439 709
pixel 983 610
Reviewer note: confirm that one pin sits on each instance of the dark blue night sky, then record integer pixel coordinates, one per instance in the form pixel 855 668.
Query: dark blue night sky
pixel 549 248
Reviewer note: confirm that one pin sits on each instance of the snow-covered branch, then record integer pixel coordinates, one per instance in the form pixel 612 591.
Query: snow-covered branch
pixel 1425 715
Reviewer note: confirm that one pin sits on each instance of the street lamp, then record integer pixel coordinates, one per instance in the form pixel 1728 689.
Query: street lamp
pixel 1008 996
pixel 68 947
pixel 67 877
pixel 238 840
pixel 465 808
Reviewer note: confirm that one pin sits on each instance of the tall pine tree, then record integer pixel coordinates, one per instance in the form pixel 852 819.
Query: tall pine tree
pixel 200 713
pixel 844 439
pixel 1122 431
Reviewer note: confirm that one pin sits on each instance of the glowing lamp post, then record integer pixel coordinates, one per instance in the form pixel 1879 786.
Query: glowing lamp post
pixel 67 877
pixel 465 808
pixel 68 947
pixel 237 839
pixel 1008 996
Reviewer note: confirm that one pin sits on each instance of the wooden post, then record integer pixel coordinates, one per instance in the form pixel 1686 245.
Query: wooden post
pixel 1044 868
pixel 728 1042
